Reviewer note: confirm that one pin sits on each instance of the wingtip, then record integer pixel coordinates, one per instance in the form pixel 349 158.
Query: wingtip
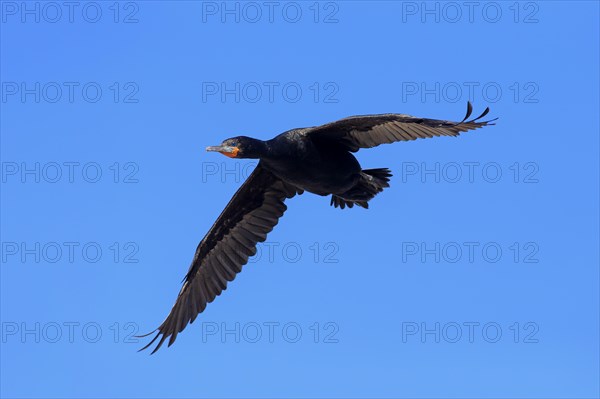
pixel 490 122
pixel 475 120
pixel 469 111
pixel 145 335
pixel 152 341
pixel 146 346
pixel 162 340
pixel 484 113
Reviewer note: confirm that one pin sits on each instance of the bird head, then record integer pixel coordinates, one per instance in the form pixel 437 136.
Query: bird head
pixel 239 147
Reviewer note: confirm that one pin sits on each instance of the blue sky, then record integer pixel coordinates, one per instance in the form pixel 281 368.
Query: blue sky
pixel 474 275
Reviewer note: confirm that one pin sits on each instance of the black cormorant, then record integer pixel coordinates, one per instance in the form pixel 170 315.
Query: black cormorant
pixel 315 159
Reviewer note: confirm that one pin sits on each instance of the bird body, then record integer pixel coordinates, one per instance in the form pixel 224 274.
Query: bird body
pixel 318 160
pixel 314 167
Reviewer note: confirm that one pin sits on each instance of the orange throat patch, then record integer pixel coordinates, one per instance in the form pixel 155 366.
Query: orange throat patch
pixel 232 154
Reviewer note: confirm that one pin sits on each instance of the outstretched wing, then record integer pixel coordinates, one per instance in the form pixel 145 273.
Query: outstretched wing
pixel 252 213
pixel 368 131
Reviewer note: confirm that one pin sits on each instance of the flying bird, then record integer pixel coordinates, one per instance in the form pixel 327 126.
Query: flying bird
pixel 315 159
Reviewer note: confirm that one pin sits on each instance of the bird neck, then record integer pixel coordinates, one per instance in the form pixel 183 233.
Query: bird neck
pixel 257 149
pixel 272 149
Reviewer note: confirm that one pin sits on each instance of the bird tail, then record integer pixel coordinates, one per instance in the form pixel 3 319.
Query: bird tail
pixel 371 183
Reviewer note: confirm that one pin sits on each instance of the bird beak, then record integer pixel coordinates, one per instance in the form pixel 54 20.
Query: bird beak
pixel 226 150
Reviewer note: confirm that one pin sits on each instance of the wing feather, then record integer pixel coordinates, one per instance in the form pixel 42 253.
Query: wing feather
pixel 368 131
pixel 250 215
